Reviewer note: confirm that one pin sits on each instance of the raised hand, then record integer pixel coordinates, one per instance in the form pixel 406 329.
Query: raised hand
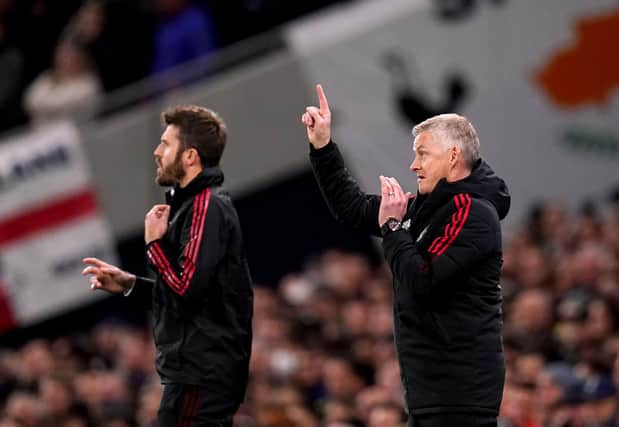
pixel 106 276
pixel 317 121
pixel 156 222
pixel 393 201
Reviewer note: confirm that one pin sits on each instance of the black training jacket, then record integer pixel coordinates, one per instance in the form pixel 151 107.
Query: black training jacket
pixel 201 299
pixel 446 263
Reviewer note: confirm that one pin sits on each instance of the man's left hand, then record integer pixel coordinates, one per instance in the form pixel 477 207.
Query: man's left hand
pixel 393 202
pixel 156 222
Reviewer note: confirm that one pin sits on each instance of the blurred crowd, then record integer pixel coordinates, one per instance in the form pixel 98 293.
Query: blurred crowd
pixel 57 58
pixel 323 351
pixel 561 306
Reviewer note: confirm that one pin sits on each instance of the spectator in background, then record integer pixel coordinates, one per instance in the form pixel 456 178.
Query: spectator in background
pixel 518 407
pixel 558 395
pixel 102 26
pixel 12 66
pixel 29 32
pixel 530 320
pixel 70 89
pixel 341 380
pixel 78 416
pixel 8 422
pixel 56 396
pixel 386 414
pixel 40 24
pixel 601 407
pixel 185 32
pixel 25 408
pixel 88 23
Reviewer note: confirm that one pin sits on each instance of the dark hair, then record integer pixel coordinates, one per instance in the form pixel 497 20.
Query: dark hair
pixel 199 128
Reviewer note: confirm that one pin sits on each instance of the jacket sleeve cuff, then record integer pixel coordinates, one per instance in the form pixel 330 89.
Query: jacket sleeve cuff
pixel 324 151
pixel 128 291
pixel 141 293
pixel 157 254
pixel 139 282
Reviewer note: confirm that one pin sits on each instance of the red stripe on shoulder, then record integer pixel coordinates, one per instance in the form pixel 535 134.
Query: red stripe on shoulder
pixel 156 254
pixel 466 207
pixel 190 247
pixel 455 218
pixel 201 204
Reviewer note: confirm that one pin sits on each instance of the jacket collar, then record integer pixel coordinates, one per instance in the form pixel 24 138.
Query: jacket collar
pixel 209 177
pixel 482 183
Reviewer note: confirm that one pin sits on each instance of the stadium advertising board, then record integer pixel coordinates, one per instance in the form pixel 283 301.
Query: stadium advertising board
pixel 49 220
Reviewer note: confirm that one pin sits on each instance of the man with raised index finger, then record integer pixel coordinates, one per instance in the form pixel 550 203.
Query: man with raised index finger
pixel 201 300
pixel 443 246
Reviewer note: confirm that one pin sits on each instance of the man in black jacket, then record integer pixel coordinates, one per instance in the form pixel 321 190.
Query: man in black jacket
pixel 201 300
pixel 444 249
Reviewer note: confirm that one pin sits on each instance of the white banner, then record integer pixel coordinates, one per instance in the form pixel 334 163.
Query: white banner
pixel 538 80
pixel 49 220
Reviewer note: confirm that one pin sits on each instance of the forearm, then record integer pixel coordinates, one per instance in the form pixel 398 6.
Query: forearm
pixel 343 196
pixel 188 274
pixel 408 266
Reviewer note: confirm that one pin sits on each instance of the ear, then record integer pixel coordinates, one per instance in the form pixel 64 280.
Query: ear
pixel 453 155
pixel 191 157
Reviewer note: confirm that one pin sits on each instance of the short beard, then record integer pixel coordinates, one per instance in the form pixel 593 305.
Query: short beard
pixel 171 174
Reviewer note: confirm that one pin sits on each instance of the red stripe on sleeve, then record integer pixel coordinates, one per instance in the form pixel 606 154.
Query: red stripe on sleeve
pixel 158 258
pixel 164 267
pixel 196 235
pixel 455 217
pixel 456 232
pixel 191 250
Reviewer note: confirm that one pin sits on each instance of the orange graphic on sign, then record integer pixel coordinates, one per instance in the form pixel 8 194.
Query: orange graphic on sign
pixel 588 70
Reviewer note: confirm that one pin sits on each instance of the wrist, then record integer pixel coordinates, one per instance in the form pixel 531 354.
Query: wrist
pixel 320 144
pixel 383 221
pixel 390 225
pixel 150 239
pixel 129 282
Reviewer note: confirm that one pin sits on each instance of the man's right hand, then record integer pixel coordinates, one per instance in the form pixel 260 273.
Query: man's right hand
pixel 107 277
pixel 317 121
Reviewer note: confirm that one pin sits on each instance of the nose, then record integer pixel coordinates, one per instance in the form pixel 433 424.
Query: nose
pixel 156 152
pixel 414 165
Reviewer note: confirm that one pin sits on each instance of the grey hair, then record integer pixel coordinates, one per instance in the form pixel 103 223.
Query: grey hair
pixel 454 130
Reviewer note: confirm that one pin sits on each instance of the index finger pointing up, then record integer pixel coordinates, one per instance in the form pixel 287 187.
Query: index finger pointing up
pixel 322 99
